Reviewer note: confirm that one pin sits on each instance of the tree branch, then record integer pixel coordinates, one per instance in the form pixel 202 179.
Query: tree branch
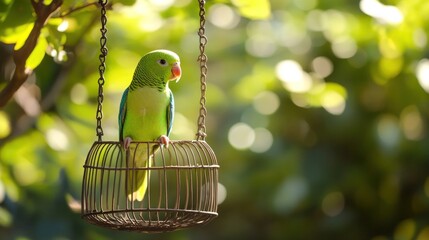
pixel 26 122
pixel 75 9
pixel 20 56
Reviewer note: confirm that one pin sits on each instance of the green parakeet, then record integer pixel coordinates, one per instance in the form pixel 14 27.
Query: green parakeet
pixel 146 113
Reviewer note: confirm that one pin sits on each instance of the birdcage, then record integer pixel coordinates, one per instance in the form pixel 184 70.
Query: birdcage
pixel 181 178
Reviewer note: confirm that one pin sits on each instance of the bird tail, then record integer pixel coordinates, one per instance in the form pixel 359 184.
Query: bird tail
pixel 138 157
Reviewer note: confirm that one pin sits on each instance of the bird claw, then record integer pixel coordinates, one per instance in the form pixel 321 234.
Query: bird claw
pixel 127 142
pixel 164 140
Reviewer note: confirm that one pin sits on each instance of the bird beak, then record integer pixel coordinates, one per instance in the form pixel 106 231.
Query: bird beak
pixel 176 72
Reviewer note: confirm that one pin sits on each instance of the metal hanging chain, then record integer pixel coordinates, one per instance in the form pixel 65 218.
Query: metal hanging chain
pixel 202 59
pixel 101 68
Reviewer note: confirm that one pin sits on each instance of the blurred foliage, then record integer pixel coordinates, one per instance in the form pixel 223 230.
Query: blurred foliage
pixel 318 114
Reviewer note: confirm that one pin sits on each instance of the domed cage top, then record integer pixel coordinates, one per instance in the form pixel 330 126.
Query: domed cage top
pixel 180 179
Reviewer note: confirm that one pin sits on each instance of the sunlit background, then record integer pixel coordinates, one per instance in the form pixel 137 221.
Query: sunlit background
pixel 317 112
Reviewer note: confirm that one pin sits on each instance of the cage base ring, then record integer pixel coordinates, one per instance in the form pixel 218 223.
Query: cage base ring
pixel 190 219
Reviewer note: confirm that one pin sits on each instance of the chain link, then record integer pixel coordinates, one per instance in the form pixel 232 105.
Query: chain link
pixel 101 68
pixel 202 59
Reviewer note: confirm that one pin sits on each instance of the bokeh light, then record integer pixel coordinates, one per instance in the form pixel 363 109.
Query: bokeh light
pixel 266 102
pixel 299 100
pixel 322 66
pixel 57 139
pixel 146 13
pixel 422 73
pixel 260 42
pixel 420 38
pixel 331 96
pixel 333 102
pixel 260 46
pixel 223 16
pixel 291 192
pixel 344 47
pixel 335 25
pixel 241 136
pixel 254 118
pixel 64 25
pixel 79 94
pixel 384 13
pixel 303 47
pixel 388 131
pixel 161 4
pixel 291 35
pixel 333 204
pixel 293 77
pixel 221 193
pixel 412 123
pixel 152 23
pixel 263 140
pixel 314 20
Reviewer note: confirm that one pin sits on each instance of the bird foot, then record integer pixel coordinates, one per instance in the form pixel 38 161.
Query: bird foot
pixel 127 142
pixel 164 140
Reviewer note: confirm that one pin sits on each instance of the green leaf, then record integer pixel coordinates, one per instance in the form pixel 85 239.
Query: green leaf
pixel 17 34
pixel 38 53
pixel 4 8
pixel 16 14
pixel 253 9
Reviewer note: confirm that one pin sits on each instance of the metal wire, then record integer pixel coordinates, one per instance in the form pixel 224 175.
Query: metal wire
pixel 181 187
pixel 202 59
pixel 101 69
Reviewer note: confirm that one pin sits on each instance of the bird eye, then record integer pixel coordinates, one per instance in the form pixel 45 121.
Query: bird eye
pixel 162 62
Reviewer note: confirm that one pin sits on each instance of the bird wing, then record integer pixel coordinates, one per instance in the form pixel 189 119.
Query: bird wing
pixel 122 114
pixel 170 113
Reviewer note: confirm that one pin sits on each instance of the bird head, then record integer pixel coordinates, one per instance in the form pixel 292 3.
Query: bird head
pixel 161 64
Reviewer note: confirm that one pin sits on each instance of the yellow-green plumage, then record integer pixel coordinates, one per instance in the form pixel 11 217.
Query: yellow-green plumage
pixel 146 114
